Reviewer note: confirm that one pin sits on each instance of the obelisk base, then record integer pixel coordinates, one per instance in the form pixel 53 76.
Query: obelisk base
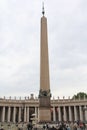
pixel 44 115
pixel 44 106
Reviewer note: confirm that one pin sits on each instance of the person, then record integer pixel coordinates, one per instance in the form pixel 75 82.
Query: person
pixel 67 127
pixel 29 126
pixel 60 127
pixel 53 128
pixel 75 126
pixel 44 126
pixel 47 126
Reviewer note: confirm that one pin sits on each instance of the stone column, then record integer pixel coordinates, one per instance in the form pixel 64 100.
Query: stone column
pixel 38 115
pixel 19 115
pixel 35 112
pixel 85 113
pixel 27 114
pixel 70 114
pixel 14 114
pixel 3 114
pixel 64 113
pixel 75 113
pixel 9 113
pixel 59 113
pixel 54 115
pixel 81 114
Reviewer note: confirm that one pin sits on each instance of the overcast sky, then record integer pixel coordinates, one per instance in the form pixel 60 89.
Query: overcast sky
pixel 20 46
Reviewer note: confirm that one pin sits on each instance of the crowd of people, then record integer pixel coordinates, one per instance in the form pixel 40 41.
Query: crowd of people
pixel 77 125
pixel 63 126
pixel 66 126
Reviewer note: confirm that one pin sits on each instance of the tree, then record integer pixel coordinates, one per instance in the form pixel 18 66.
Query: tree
pixel 80 95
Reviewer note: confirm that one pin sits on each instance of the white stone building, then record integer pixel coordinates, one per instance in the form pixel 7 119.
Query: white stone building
pixel 17 110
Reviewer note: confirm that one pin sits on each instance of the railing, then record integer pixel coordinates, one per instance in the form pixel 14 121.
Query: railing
pixel 32 98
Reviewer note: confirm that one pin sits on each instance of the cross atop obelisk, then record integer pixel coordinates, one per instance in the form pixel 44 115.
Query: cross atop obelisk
pixel 44 93
pixel 43 11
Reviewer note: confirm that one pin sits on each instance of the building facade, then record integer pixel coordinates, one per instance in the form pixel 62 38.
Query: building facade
pixel 21 110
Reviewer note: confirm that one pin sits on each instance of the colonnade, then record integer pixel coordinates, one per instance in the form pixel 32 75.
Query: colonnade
pixel 17 114
pixel 60 113
pixel 61 110
pixel 68 113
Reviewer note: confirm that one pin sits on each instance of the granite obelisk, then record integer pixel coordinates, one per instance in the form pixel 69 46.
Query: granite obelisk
pixel 44 93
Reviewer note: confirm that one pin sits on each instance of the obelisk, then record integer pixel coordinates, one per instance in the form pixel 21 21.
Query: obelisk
pixel 44 93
